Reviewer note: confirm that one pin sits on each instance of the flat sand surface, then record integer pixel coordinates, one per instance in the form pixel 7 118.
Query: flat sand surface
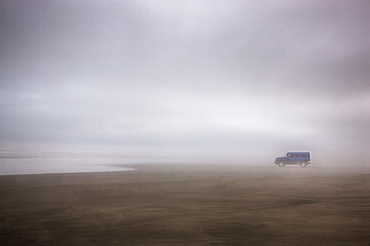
pixel 188 205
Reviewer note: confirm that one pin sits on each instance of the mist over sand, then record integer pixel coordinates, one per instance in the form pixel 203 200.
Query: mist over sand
pixel 57 158
pixel 103 196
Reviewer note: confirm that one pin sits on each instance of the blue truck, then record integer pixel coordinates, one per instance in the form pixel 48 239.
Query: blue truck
pixel 300 158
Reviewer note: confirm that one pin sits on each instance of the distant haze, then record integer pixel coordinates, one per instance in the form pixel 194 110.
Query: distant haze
pixel 218 81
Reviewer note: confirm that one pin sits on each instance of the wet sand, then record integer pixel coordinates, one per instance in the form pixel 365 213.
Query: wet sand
pixel 187 205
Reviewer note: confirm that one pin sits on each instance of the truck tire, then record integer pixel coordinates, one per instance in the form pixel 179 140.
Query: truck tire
pixel 303 163
pixel 281 164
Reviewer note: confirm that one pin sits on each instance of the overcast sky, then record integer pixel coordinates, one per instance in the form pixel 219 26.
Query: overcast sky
pixel 220 79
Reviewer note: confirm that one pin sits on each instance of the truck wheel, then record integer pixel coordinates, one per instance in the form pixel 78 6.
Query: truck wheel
pixel 281 164
pixel 303 164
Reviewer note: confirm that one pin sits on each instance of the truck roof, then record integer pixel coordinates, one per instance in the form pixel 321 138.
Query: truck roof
pixel 297 152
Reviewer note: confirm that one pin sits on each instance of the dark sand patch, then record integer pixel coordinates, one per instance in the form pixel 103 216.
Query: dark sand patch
pixel 186 205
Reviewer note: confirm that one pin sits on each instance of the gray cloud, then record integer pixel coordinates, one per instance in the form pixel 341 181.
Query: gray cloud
pixel 190 75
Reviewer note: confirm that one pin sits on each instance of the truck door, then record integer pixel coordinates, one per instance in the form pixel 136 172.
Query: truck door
pixel 290 158
pixel 296 158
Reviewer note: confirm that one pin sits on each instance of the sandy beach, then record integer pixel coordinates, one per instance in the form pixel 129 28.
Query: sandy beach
pixel 187 205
